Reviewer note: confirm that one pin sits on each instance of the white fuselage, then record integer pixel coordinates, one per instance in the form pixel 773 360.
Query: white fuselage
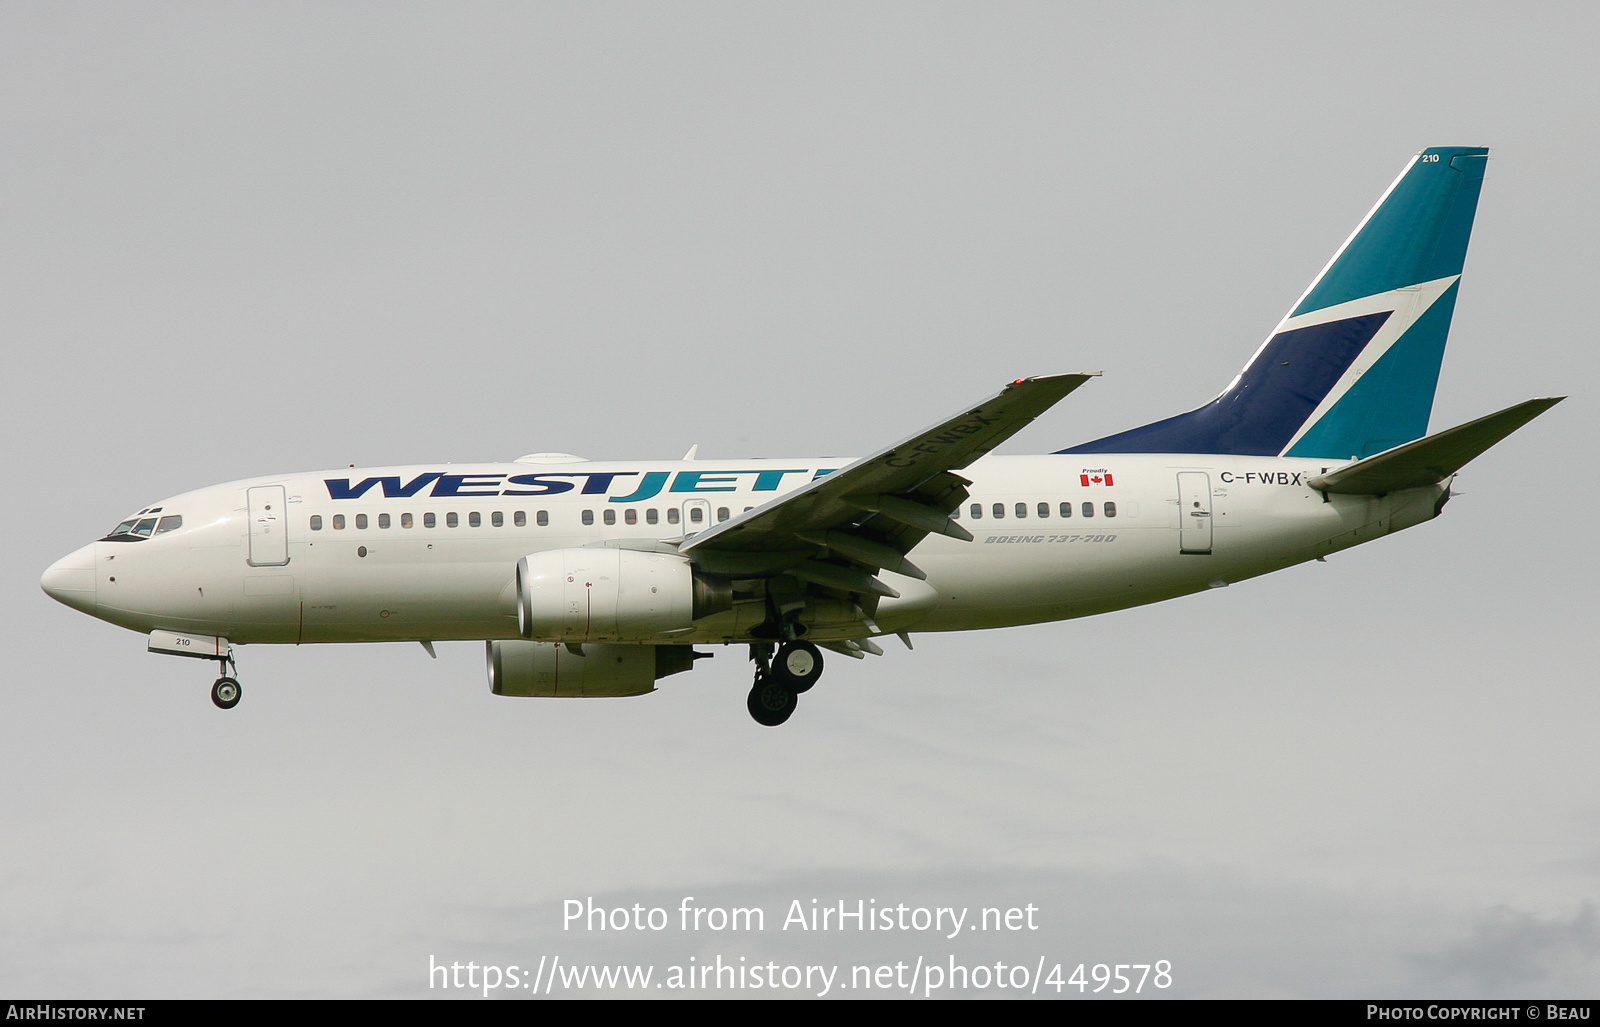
pixel 421 553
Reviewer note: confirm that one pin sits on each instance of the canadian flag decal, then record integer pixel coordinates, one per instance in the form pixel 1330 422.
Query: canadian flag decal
pixel 1095 476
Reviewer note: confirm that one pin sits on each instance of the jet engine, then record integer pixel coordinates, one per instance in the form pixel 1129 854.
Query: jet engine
pixel 604 594
pixel 554 670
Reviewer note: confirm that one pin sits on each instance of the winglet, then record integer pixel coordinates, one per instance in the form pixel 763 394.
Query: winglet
pixel 1430 460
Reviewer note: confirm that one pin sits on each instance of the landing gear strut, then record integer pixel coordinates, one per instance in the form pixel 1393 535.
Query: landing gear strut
pixel 225 692
pixel 774 695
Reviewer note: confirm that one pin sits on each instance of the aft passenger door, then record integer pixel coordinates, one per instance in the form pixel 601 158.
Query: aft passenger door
pixel 1194 513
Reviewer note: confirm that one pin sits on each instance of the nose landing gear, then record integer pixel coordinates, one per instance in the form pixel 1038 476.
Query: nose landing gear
pixel 225 691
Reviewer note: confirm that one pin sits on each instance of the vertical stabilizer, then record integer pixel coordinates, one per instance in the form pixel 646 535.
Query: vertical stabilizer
pixel 1351 370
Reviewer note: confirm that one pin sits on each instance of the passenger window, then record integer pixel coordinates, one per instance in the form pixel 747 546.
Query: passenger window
pixel 338 522
pixel 722 513
pixel 1066 509
pixel 1022 509
pixel 999 511
pixel 451 520
pixel 383 520
pixel 610 516
pixel 696 514
pixel 520 519
pixel 429 521
pixel 405 520
pixel 652 515
pixel 361 521
pixel 498 519
pixel 1088 509
pixel 631 516
pixel 542 518
pixel 171 523
pixel 1044 509
pixel 976 510
pixel 588 517
pixel 316 522
pixel 672 515
pixel 474 519
pixel 1111 509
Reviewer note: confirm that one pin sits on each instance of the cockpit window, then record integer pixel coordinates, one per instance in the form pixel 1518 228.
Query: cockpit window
pixel 137 529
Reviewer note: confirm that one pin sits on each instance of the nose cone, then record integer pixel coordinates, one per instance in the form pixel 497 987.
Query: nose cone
pixel 70 580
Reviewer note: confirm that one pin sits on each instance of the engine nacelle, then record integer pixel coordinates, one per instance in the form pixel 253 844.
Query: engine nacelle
pixel 551 669
pixel 602 594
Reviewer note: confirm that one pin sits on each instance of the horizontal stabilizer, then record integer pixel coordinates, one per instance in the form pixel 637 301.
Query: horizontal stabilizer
pixel 1430 460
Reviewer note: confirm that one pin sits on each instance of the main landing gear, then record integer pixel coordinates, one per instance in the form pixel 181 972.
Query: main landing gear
pixel 226 692
pixel 780 681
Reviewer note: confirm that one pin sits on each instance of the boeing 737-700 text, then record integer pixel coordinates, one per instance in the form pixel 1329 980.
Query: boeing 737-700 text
pixel 599 579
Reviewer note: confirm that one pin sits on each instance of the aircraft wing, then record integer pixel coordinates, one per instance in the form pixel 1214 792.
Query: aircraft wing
pixel 839 530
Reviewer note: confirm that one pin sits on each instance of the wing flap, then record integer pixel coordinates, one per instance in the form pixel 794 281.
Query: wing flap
pixel 913 514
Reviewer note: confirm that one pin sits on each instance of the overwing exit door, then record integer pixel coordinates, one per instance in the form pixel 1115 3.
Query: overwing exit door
pixel 696 516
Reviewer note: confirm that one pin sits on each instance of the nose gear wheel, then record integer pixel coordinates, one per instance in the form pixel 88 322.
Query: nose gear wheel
pixel 226 693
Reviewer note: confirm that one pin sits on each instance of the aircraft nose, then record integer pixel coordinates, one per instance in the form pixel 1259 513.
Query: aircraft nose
pixel 70 580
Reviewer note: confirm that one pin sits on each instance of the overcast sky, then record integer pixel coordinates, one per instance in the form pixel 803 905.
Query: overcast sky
pixel 247 239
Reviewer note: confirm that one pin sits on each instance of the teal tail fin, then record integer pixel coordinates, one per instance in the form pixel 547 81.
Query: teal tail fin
pixel 1351 371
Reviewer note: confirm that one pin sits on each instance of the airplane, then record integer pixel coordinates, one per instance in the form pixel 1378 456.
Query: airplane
pixel 599 579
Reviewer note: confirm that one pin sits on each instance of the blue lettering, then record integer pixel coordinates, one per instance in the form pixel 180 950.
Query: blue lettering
pixel 545 488
pixel 650 486
pixel 340 488
pixel 696 481
pixel 596 483
pixel 407 491
pixel 452 484
pixel 767 481
pixel 599 483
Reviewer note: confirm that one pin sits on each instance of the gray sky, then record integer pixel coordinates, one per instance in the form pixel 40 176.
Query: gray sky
pixel 240 240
